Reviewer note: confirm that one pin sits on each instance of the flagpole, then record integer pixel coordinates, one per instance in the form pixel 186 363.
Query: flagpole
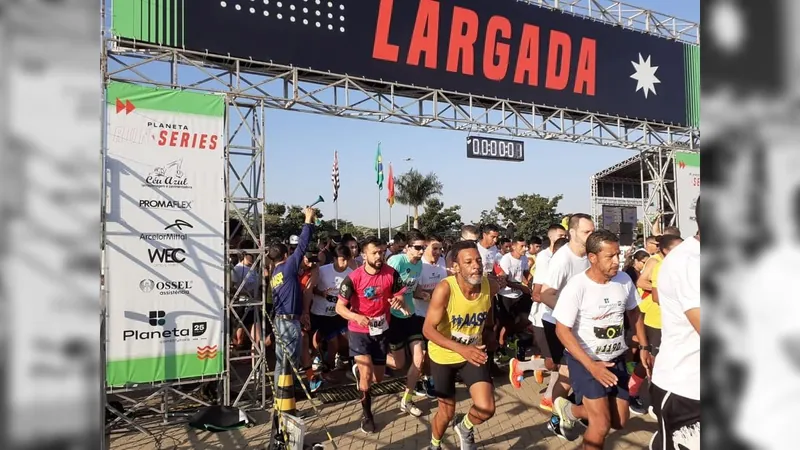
pixel 390 222
pixel 379 212
pixel 336 203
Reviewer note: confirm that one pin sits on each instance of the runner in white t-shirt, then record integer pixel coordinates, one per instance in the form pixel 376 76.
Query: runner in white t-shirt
pixel 567 262
pixel 326 325
pixel 432 274
pixel 514 300
pixel 487 247
pixel 591 313
pixel 676 376
pixel 556 238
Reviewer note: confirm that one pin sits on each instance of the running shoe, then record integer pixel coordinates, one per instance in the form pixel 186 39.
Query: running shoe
pixel 636 406
pixel 546 404
pixel 431 447
pixel 515 374
pixel 419 389
pixel 410 408
pixel 465 436
pixel 317 363
pixel 338 362
pixel 314 384
pixel 560 406
pixel 512 347
pixel 355 376
pixel 368 425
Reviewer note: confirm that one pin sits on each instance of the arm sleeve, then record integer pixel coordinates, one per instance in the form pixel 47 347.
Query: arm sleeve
pixel 297 257
pixel 346 290
pixel 691 286
pixel 397 284
pixel 566 310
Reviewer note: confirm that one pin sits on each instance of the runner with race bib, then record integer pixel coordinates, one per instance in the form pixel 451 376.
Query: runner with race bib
pixel 458 320
pixel 326 325
pixel 366 297
pixel 590 316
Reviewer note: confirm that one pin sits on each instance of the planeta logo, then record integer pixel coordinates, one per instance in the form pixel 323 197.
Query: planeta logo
pixel 157 319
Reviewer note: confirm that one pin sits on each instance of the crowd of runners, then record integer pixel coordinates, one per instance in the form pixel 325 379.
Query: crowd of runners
pixel 600 322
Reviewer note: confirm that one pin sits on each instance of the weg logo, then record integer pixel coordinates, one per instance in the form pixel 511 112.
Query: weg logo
pixel 166 255
pixel 470 320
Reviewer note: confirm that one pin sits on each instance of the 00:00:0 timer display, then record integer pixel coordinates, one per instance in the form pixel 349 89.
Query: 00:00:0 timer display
pixel 493 148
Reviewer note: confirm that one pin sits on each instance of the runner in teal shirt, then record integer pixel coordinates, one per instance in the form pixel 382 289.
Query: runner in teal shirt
pixel 410 269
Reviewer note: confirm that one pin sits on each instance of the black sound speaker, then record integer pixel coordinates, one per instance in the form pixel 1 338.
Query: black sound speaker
pixel 626 228
pixel 626 239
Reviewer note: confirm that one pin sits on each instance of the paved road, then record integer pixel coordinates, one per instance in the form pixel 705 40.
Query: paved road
pixel 518 424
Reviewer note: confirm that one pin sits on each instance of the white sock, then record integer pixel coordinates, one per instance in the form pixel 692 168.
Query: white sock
pixel 534 364
pixel 551 385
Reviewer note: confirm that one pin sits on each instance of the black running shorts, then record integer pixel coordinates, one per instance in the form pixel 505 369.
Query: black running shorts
pixel 444 377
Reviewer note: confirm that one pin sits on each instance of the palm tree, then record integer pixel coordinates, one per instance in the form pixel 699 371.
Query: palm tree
pixel 414 189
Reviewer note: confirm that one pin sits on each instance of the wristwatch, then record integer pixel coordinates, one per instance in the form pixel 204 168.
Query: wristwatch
pixel 649 348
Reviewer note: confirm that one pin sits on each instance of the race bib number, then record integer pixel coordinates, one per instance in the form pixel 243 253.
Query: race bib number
pixel 464 339
pixel 330 310
pixel 608 348
pixel 377 325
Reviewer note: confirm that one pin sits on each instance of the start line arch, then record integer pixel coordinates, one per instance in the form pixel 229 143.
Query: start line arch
pixel 251 86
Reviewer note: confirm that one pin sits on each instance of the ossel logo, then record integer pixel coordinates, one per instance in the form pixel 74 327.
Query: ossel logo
pixel 166 287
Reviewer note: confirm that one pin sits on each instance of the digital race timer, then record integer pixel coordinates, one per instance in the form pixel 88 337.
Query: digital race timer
pixel 493 148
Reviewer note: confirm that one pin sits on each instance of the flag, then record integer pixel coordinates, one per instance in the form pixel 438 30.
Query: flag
pixel 379 168
pixel 335 175
pixel 390 193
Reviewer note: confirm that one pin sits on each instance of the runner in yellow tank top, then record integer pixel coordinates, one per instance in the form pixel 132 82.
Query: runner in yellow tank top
pixel 459 326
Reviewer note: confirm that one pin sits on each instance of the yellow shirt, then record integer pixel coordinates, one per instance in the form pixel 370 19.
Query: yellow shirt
pixel 653 317
pixel 463 321
pixel 647 301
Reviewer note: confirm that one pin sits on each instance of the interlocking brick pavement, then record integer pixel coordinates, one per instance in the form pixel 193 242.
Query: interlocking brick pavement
pixel 517 424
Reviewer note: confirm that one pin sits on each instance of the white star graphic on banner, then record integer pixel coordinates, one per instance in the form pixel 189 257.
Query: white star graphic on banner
pixel 645 76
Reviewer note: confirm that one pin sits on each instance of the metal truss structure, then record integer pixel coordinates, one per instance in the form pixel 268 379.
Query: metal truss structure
pixel 251 87
pixel 628 16
pixel 244 382
pixel 654 172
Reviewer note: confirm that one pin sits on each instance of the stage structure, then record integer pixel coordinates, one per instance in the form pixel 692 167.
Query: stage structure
pixel 416 63
pixel 648 181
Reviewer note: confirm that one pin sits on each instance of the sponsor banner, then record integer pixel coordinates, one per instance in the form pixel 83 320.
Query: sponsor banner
pixel 687 190
pixel 505 49
pixel 165 247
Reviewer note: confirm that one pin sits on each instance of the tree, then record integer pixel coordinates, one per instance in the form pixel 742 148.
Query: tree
pixel 532 214
pixel 414 189
pixel 436 219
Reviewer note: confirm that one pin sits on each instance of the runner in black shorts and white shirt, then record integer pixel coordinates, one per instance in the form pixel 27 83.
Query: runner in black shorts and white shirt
pixel 326 325
pixel 590 318
pixel 675 390
pixel 567 262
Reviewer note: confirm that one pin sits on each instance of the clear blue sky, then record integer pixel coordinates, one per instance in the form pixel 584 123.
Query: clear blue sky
pixel 300 154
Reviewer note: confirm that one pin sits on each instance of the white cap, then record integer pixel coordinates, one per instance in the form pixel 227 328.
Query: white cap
pixel 294 240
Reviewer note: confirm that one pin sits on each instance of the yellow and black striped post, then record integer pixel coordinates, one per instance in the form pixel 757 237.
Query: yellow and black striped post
pixel 284 391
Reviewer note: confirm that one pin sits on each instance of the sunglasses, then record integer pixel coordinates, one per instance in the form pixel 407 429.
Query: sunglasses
pixel 419 248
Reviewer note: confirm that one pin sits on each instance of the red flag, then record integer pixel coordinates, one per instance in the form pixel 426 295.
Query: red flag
pixel 390 193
